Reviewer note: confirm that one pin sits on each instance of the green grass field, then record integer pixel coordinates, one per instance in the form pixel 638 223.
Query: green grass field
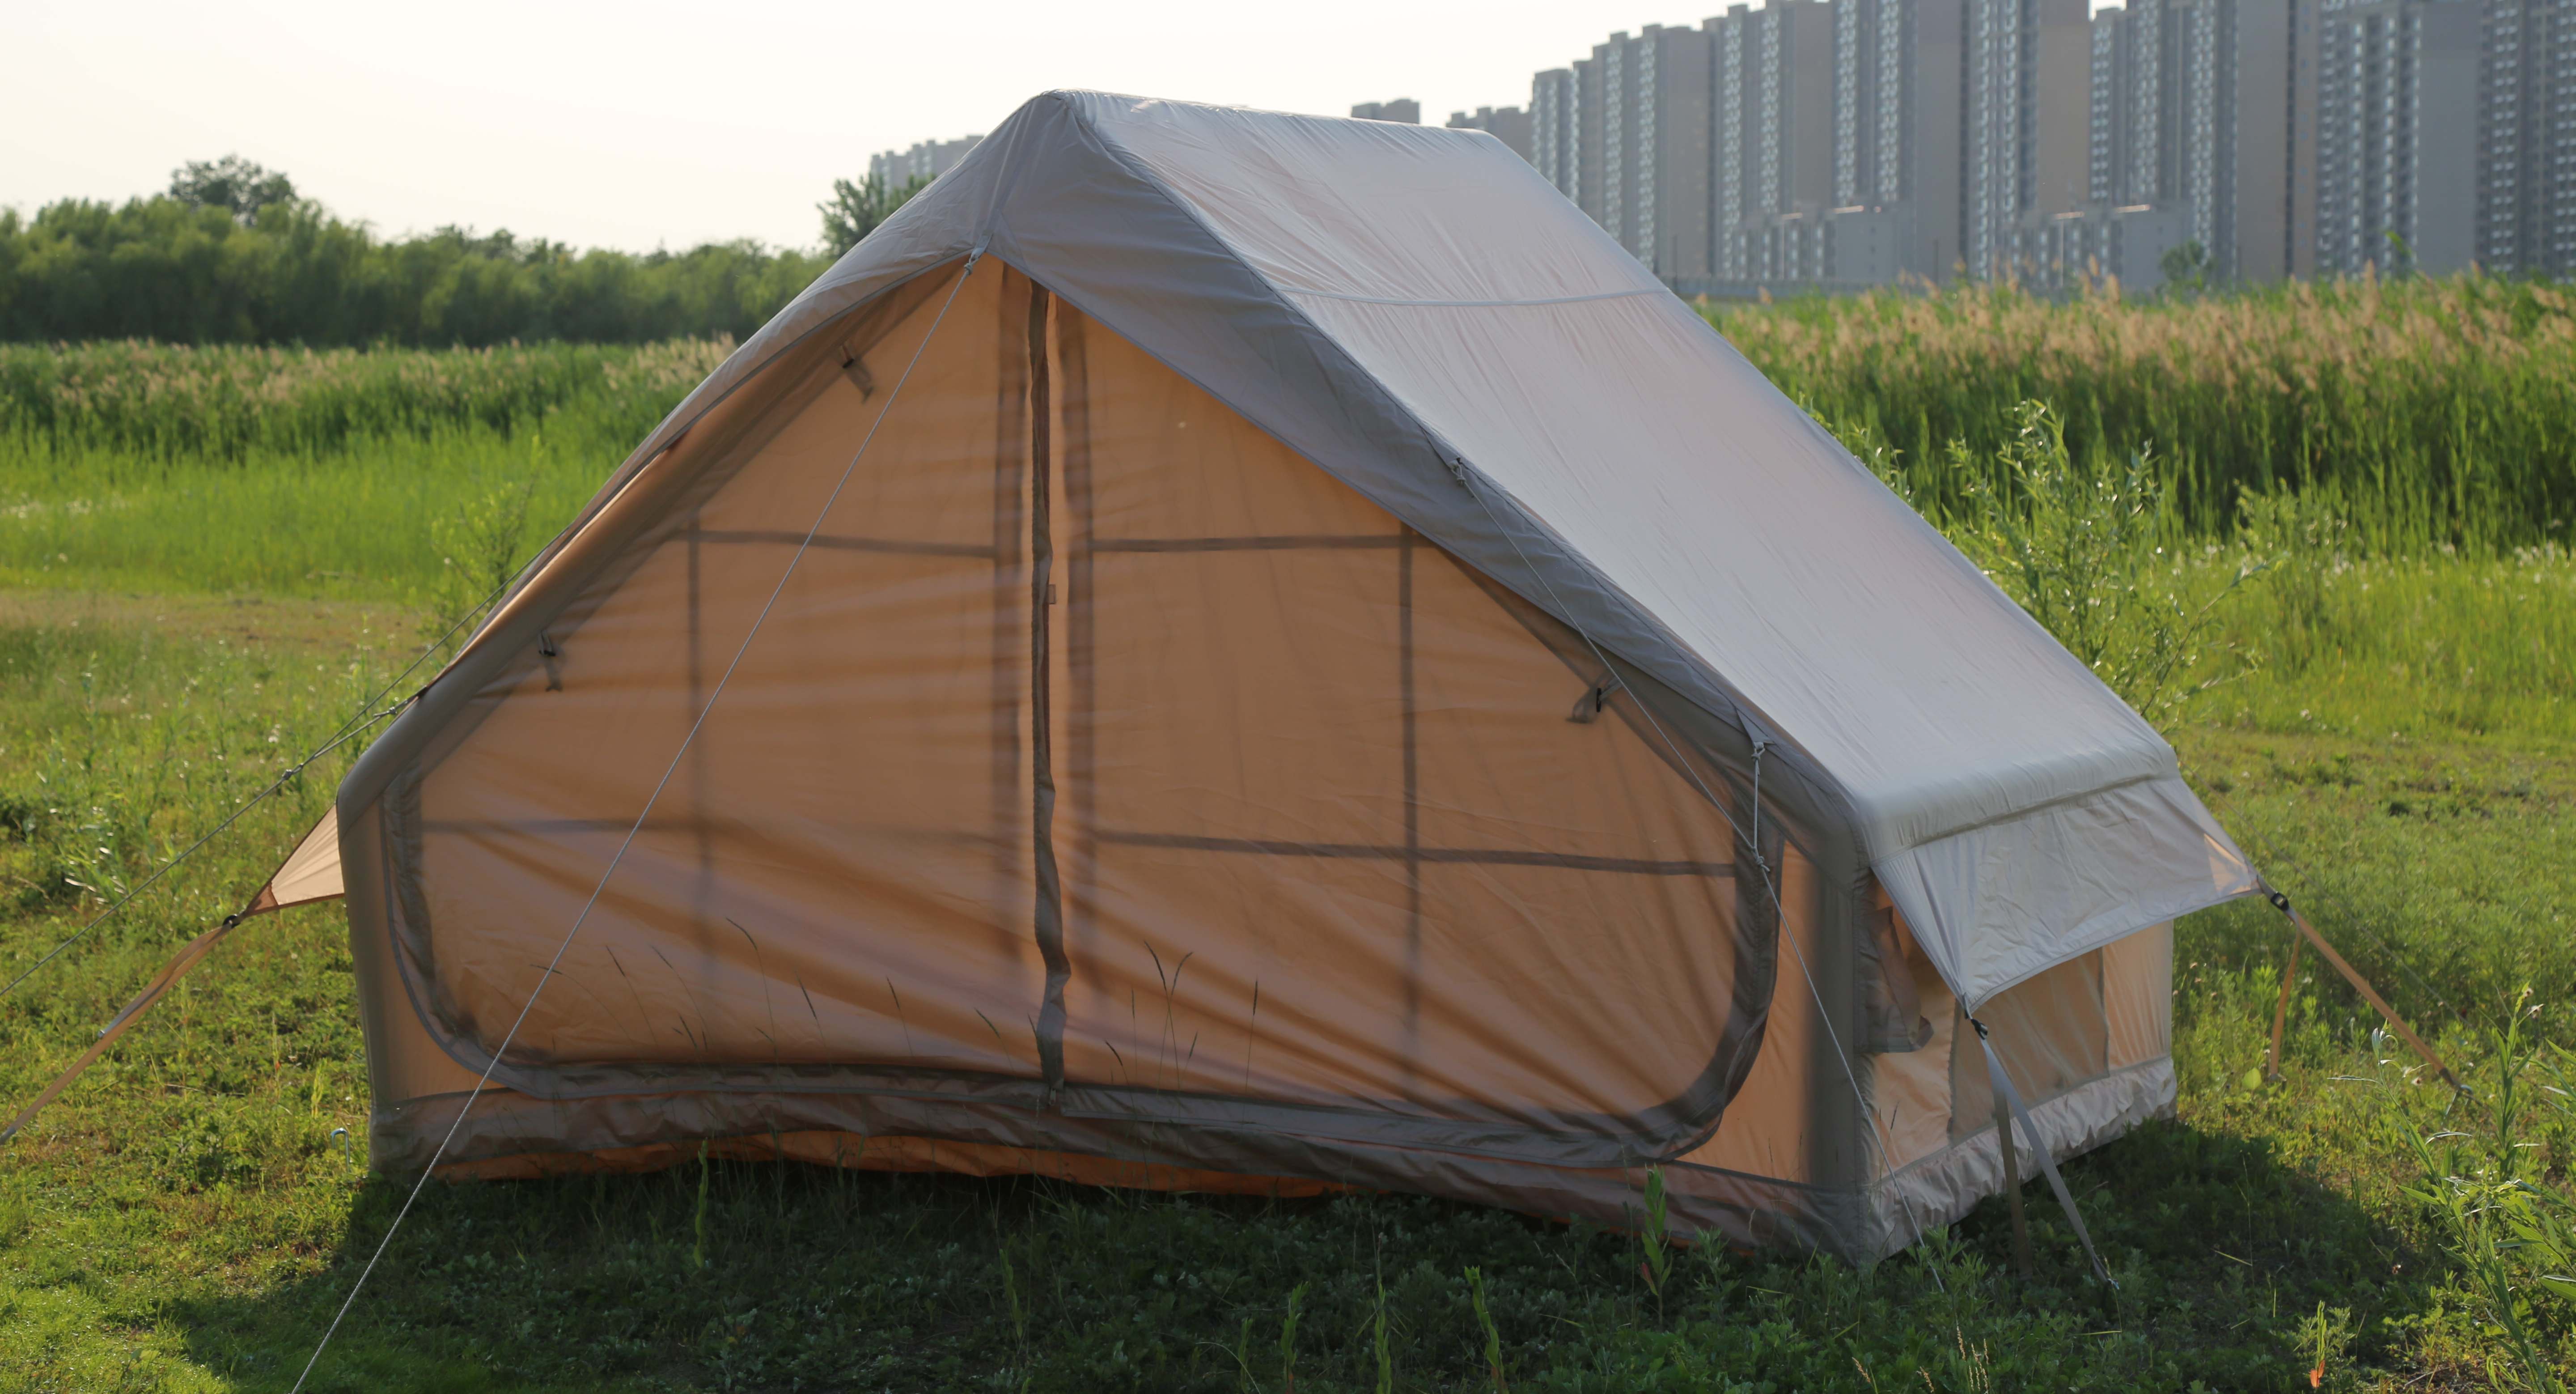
pixel 200 581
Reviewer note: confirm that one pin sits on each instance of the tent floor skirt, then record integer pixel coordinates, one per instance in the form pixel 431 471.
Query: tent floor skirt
pixel 513 1136
pixel 860 1152
pixel 1941 1188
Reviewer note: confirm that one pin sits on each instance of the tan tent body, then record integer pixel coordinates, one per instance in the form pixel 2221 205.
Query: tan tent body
pixel 1227 650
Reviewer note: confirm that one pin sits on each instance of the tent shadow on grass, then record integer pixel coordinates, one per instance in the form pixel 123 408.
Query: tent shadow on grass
pixel 762 1276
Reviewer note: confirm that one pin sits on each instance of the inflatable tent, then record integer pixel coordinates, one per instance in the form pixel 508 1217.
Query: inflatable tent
pixel 1224 650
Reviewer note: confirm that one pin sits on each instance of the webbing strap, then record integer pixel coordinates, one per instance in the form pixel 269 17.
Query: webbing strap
pixel 2048 1163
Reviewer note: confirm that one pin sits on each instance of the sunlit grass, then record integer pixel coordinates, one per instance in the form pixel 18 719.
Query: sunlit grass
pixel 360 523
pixel 2426 647
pixel 186 1212
pixel 286 472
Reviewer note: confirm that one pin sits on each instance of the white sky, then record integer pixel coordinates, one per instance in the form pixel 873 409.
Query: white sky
pixel 649 123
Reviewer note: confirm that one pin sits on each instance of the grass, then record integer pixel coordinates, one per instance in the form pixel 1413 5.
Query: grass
pixel 162 404
pixel 184 1219
pixel 286 472
pixel 2387 727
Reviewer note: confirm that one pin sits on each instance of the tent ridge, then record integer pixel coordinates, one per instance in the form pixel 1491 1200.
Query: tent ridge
pixel 1469 304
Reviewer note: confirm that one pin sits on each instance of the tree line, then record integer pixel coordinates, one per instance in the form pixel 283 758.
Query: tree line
pixel 230 253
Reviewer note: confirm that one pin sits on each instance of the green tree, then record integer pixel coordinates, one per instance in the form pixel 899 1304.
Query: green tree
pixel 855 210
pixel 232 255
pixel 2401 255
pixel 168 269
pixel 236 185
pixel 2186 267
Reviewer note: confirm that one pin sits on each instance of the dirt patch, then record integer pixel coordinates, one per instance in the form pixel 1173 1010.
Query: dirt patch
pixel 336 626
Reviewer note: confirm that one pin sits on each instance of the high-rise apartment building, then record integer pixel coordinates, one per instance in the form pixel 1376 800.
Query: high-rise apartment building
pixel 1856 141
pixel 2204 145
pixel 1403 109
pixel 2397 135
pixel 1552 118
pixel 1733 120
pixel 1589 124
pixel 925 161
pixel 1510 125
pixel 2109 132
pixel 1654 173
pixel 2527 138
pixel 2299 112
pixel 1624 135
pixel 1565 131
pixel 2023 137
pixel 1896 139
pixel 2191 111
pixel 2209 109
pixel 1627 85
pixel 1771 138
pixel 2254 124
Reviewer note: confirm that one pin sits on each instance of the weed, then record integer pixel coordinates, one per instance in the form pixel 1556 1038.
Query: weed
pixel 1653 1239
pixel 698 1251
pixel 1485 1324
pixel 2084 547
pixel 1288 1340
pixel 480 549
pixel 1378 1342
pixel 2325 1333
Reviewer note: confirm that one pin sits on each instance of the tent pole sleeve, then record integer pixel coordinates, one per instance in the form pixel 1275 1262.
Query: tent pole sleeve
pixel 2362 985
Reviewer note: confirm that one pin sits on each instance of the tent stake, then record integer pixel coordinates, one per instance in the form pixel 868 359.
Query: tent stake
pixel 2360 985
pixel 2281 1010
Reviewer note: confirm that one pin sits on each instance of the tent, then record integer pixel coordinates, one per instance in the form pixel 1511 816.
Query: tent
pixel 1233 651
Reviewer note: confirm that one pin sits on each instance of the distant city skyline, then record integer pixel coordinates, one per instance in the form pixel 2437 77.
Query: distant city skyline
pixel 1850 143
pixel 652 124
pixel 658 130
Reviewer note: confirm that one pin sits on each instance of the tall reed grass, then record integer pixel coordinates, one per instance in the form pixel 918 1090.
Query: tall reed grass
pixel 2426 412
pixel 168 404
